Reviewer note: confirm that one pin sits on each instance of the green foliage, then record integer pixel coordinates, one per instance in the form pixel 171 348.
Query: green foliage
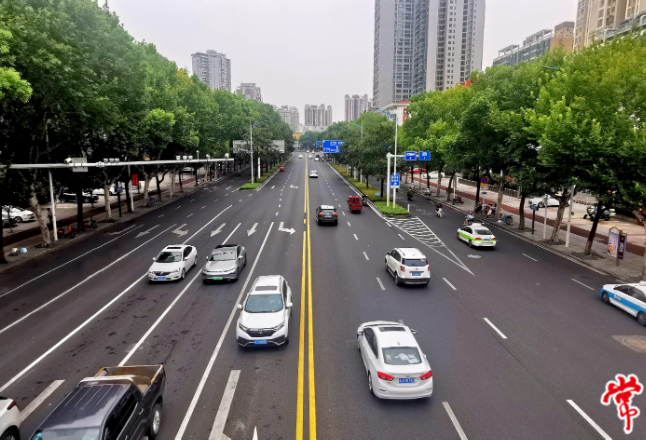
pixel 391 210
pixel 249 185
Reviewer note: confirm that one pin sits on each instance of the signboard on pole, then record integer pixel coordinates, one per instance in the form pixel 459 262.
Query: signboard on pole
pixel 484 182
pixel 318 144
pixel 410 155
pixel 279 145
pixel 240 146
pixel 394 180
pixel 135 180
pixel 425 156
pixel 332 147
pixel 613 242
pixel 534 207
pixel 79 169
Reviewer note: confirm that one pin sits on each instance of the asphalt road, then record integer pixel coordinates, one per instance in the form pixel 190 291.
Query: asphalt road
pixel 519 343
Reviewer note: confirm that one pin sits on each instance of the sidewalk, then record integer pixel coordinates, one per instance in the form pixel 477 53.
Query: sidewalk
pixel 630 267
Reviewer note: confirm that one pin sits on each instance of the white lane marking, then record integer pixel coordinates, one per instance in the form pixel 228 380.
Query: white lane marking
pixel 336 200
pixel 40 399
pixel 380 284
pixel 280 200
pixel 255 433
pixel 205 206
pixel 62 265
pixel 226 195
pixel 290 230
pixel 240 200
pixel 179 231
pixel 202 228
pixel 366 255
pixel 355 236
pixel 584 285
pixel 272 187
pixel 178 207
pixel 72 333
pixel 400 236
pixel 342 212
pixel 227 239
pixel 141 234
pixel 525 255
pixel 589 420
pixel 252 230
pixel 209 367
pixel 124 230
pixel 217 431
pixel 339 206
pixel 495 328
pixel 161 216
pixel 389 225
pixel 217 231
pixel 190 215
pixel 454 419
pixel 349 224
pixel 82 282
pixel 279 205
pixel 276 213
pixel 447 282
pixel 227 188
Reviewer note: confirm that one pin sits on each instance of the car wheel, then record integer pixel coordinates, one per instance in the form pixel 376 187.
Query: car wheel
pixel 155 421
pixel 358 344
pixel 471 244
pixel 605 298
pixel 286 340
pixel 18 220
pixel 183 274
pixel 541 205
pixel 245 261
pixel 205 281
pixel 10 434
pixel 397 279
pixel 370 384
pixel 641 318
pixel 195 262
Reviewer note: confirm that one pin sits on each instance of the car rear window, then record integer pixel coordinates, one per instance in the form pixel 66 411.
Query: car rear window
pixel 483 232
pixel 414 262
pixel 401 355
pixel 328 211
pixel 265 288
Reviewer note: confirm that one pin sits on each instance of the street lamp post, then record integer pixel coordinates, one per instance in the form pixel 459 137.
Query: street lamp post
pixel 395 160
pixel 358 126
pixel 251 149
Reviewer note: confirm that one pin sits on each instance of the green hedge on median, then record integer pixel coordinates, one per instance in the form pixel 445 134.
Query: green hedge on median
pixel 260 180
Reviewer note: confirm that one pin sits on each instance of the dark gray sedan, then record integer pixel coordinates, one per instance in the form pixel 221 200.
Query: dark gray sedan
pixel 225 263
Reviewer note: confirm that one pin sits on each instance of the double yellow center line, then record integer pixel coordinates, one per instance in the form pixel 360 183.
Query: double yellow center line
pixel 307 276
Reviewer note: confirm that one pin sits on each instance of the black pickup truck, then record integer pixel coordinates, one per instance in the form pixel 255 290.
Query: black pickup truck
pixel 118 403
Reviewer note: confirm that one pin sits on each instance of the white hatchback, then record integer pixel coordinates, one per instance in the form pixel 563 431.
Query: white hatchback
pixel 394 362
pixel 408 266
pixel 172 263
pixel 9 419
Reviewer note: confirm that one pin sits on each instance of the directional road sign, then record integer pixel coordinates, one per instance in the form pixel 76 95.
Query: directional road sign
pixel 332 147
pixel 410 155
pixel 394 180
pixel 425 156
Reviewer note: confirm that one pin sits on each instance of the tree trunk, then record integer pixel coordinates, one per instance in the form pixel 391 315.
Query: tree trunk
pixel 3 259
pixel 501 193
pixel 42 224
pixel 382 188
pixel 367 185
pixel 439 183
pixel 146 186
pixel 521 211
pixel 448 189
pixel 79 209
pixel 181 188
pixel 106 200
pixel 593 231
pixel 559 220
pixel 172 183
pixel 477 189
pixel 640 217
pixel 158 188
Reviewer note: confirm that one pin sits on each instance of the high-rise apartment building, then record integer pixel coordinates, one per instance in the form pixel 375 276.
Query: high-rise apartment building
pixel 355 106
pixel 213 69
pixel 425 45
pixel 318 116
pixel 537 44
pixel 250 91
pixel 600 19
pixel 289 115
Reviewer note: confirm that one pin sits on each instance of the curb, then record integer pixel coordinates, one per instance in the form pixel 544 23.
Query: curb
pixel 356 190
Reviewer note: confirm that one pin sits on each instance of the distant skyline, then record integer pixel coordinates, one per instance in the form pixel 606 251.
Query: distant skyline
pixel 266 40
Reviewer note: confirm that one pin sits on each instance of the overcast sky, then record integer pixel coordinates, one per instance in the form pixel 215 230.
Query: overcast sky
pixel 305 51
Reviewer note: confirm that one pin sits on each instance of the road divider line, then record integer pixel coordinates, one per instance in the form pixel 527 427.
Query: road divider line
pixel 366 255
pixel 40 399
pixel 355 237
pixel 450 285
pixel 584 285
pixel 400 236
pixel 534 259
pixel 82 282
pixel 589 420
pixel 216 351
pixel 349 224
pixel 211 221
pixel 217 431
pixel 301 349
pixel 310 328
pixel 495 328
pixel 454 420
pixel 232 232
pixel 381 284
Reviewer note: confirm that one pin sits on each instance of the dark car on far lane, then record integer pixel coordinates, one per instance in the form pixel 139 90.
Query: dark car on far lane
pixel 327 214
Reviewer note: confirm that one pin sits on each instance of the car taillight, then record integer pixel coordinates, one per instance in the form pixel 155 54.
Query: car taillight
pixel 403 268
pixel 478 238
pixel 384 376
pixel 320 214
pixel 12 404
pixel 336 215
pixel 426 375
pixel 428 267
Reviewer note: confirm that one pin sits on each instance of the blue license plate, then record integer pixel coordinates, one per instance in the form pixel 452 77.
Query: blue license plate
pixel 416 274
pixel 407 380
pixel 486 239
pixel 161 278
pixel 260 342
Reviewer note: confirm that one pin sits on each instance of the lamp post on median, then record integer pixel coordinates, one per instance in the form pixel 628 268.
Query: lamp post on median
pixel 358 126
pixel 395 160
pixel 251 149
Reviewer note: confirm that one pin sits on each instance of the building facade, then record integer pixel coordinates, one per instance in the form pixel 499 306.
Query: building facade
pixel 290 116
pixel 538 44
pixel 249 91
pixel 425 45
pixel 596 19
pixel 213 69
pixel 318 116
pixel 355 106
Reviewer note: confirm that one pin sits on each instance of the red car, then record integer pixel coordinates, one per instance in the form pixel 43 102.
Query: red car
pixel 416 170
pixel 282 167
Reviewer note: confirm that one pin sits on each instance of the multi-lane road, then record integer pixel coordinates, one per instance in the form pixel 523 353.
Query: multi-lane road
pixel 520 345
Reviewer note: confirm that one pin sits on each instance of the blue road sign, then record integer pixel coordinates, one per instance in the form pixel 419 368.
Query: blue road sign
pixel 410 155
pixel 534 207
pixel 425 156
pixel 332 147
pixel 394 180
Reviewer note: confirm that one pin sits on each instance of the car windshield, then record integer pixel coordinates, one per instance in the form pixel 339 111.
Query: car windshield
pixel 483 232
pixel 265 303
pixel 223 255
pixel 414 262
pixel 169 257
pixel 327 211
pixel 401 355
pixel 67 434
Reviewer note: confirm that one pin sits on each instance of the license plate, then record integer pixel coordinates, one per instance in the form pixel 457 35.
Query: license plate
pixel 260 342
pixel 161 278
pixel 217 279
pixel 486 239
pixel 416 274
pixel 406 380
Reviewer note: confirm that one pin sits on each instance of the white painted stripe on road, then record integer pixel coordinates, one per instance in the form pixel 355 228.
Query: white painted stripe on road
pixel 451 285
pixel 342 212
pixel 202 228
pixel 189 215
pixel 400 236
pixel 255 433
pixel 227 187
pixel 217 431
pixel 40 399
pixel 366 255
pixel 227 239
pixel 589 420
pixel 339 206
pixel 349 224
pixel 454 419
pixel 72 333
pixel 276 213
pixel 584 285
pixel 495 328
pixel 84 281
pixel 380 284
pixel 355 236
pixel 279 205
pixel 161 216
pixel 209 367
pixel 272 187
pixel 534 259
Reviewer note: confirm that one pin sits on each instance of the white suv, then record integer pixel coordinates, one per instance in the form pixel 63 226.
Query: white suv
pixel 9 419
pixel 408 266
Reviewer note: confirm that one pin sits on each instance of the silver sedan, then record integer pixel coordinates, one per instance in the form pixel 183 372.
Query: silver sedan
pixel 225 263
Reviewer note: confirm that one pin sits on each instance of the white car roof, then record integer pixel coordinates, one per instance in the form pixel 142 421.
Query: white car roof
pixel 266 280
pixel 410 253
pixel 394 334
pixel 175 247
pixel 641 285
pixel 327 207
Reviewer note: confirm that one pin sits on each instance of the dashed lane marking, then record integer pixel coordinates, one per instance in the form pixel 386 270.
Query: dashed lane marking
pixel 502 335
pixel 366 255
pixel 584 285
pixel 589 420
pixel 380 284
pixel 454 420
pixel 451 285
pixel 534 259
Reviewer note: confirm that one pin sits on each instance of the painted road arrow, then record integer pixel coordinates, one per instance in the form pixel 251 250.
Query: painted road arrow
pixel 217 231
pixel 125 230
pixel 292 186
pixel 179 231
pixel 252 230
pixel 141 234
pixel 280 228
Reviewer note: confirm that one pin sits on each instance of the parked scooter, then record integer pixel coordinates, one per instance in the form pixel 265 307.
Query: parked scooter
pixel 606 214
pixel 90 223
pixel 66 231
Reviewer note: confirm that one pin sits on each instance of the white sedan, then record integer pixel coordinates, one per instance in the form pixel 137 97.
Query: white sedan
pixel 314 173
pixel 394 362
pixel 540 201
pixel 172 263
pixel 477 235
pixel 9 419
pixel 19 215
pixel 630 298
pixel 300 156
